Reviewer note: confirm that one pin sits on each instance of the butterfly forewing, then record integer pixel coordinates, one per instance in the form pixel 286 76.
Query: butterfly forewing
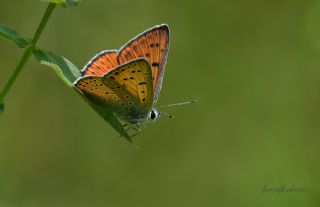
pixel 101 63
pixel 153 46
pixel 127 90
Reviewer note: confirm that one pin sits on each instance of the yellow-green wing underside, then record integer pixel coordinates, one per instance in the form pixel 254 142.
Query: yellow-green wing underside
pixel 126 90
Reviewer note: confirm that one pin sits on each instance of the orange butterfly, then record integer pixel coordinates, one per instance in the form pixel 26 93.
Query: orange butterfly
pixel 128 81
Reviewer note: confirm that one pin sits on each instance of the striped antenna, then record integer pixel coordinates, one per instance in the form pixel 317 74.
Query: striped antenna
pixel 178 104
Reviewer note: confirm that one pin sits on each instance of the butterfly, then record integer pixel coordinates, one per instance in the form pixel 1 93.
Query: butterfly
pixel 128 81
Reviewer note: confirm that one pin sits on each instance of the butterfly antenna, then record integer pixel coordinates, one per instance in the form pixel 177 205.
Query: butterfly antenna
pixel 178 104
pixel 165 113
pixel 175 104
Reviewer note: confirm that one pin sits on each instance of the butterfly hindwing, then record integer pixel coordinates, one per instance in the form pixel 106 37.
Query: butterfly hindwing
pixel 127 89
pixel 96 90
pixel 135 76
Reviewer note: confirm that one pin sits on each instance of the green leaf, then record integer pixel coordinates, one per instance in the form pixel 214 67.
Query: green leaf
pixel 1 108
pixel 63 3
pixel 10 34
pixel 109 117
pixel 68 72
pixel 65 69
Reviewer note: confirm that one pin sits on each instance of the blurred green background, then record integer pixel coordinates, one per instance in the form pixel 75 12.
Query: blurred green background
pixel 253 66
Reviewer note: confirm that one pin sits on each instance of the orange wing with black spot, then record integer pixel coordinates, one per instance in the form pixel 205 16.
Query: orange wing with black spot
pixel 153 45
pixel 127 90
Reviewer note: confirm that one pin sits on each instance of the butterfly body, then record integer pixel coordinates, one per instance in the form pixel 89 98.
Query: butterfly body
pixel 128 81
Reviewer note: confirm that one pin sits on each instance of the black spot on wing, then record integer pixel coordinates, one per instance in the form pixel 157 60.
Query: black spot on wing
pixel 142 83
pixel 155 64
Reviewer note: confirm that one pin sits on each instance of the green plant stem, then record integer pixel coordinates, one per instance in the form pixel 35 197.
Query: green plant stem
pixel 26 55
pixel 15 74
pixel 43 23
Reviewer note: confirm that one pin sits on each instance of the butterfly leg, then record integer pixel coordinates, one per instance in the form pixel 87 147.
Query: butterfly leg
pixel 135 129
pixel 128 127
pixel 144 126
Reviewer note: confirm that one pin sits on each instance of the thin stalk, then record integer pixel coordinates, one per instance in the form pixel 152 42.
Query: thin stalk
pixel 43 23
pixel 26 55
pixel 15 73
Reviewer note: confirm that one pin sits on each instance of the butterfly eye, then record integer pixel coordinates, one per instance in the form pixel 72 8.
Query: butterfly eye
pixel 153 114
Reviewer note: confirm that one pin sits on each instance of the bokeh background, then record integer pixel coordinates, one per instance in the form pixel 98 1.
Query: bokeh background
pixel 253 66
